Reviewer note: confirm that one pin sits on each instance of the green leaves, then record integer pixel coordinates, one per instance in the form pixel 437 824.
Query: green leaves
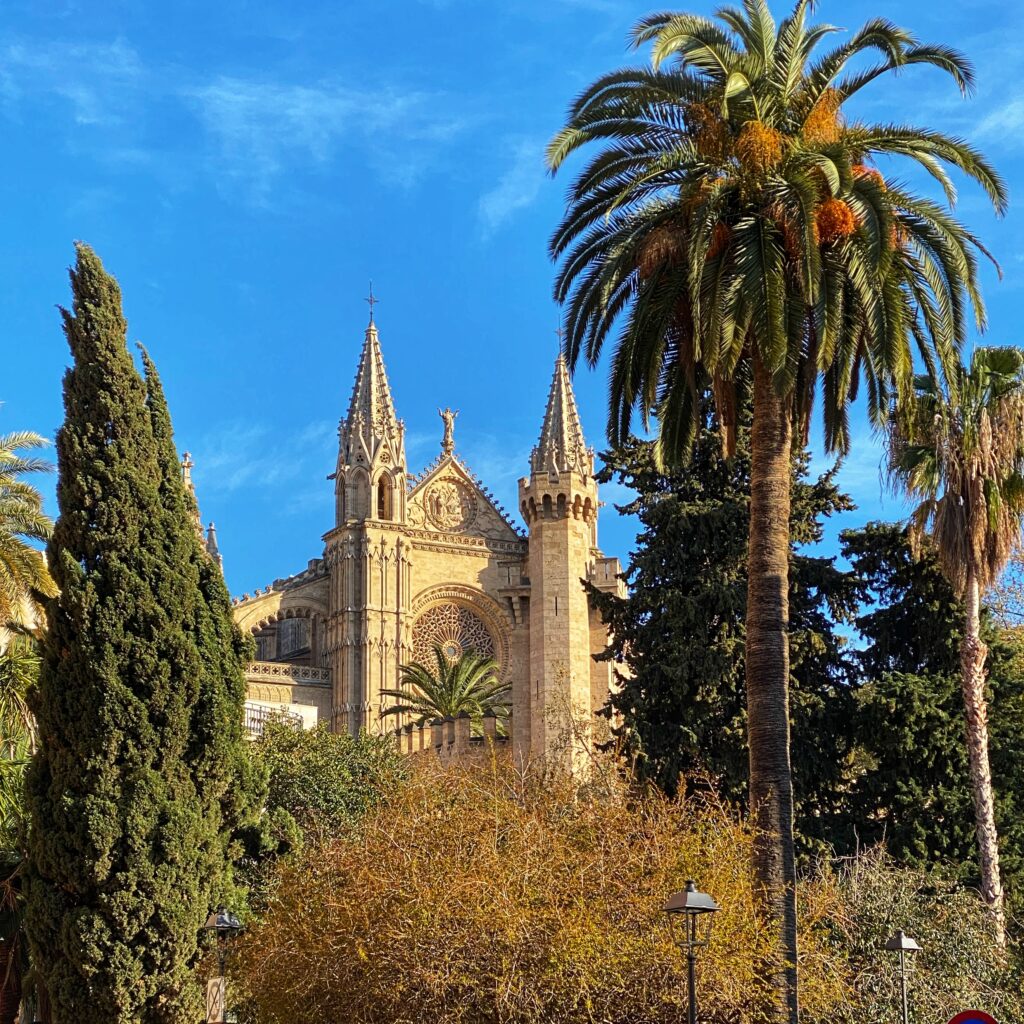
pixel 141 774
pixel 469 684
pixel 713 168
pixel 959 452
pixel 682 629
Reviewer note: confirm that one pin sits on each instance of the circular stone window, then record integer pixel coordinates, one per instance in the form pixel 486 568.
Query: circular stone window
pixel 455 629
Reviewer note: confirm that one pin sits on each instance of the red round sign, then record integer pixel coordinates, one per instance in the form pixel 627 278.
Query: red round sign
pixel 973 1017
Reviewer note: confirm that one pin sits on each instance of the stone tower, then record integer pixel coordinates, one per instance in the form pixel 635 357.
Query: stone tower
pixel 558 501
pixel 368 559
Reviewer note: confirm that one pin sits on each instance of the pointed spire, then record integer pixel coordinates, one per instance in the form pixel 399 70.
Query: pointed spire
pixel 187 465
pixel 561 448
pixel 211 546
pixel 371 421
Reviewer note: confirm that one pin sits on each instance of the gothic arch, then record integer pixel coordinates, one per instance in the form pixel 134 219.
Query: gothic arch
pixel 480 604
pixel 358 494
pixel 277 606
pixel 383 510
pixel 339 498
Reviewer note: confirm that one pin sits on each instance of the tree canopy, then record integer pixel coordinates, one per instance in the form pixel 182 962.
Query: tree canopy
pixel 134 786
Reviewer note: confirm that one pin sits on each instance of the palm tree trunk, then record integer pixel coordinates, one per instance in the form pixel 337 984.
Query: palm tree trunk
pixel 767 672
pixel 973 653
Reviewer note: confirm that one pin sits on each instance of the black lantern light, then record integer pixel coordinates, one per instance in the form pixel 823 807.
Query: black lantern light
pixel 225 926
pixel 690 914
pixel 906 947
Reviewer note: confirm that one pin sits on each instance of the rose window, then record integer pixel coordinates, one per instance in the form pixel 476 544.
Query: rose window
pixel 455 629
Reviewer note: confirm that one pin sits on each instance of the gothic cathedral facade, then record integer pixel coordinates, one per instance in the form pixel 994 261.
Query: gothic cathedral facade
pixel 414 561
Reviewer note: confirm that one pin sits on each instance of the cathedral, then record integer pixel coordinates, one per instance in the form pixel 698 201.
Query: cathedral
pixel 415 560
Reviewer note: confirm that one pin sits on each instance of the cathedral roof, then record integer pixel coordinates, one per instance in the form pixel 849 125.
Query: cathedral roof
pixel 371 411
pixel 561 448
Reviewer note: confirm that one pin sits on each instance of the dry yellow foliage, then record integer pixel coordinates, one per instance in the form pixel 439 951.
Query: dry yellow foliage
pixel 484 893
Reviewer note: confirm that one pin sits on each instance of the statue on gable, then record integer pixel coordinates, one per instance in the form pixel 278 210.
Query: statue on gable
pixel 448 441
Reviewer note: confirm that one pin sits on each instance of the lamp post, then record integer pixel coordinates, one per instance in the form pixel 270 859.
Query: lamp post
pixel 906 947
pixel 224 925
pixel 690 914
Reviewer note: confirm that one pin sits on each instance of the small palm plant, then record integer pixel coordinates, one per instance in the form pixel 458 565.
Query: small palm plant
pixel 470 683
pixel 959 450
pixel 24 577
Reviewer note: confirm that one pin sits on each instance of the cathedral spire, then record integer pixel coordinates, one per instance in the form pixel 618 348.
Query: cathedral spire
pixel 371 422
pixel 187 465
pixel 212 548
pixel 561 448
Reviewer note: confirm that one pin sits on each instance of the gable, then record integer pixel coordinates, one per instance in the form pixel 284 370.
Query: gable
pixel 448 499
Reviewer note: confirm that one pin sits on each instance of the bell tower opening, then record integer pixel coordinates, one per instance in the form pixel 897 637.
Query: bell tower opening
pixel 384 497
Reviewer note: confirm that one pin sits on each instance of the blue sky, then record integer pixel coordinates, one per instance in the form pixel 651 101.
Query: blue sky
pixel 245 168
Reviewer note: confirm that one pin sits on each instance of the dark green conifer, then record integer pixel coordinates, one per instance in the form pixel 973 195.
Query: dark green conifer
pixel 138 703
pixel 912 790
pixel 681 630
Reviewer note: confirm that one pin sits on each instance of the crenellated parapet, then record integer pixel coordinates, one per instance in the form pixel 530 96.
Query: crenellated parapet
pixel 452 739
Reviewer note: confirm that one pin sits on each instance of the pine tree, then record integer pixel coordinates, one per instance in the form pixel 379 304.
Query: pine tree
pixel 138 703
pixel 681 630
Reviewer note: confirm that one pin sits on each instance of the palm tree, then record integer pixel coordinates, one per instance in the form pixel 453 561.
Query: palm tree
pixel 733 224
pixel 960 451
pixel 24 577
pixel 469 683
pixel 19 668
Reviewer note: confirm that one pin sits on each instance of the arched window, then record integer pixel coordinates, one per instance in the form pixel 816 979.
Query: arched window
pixel 292 637
pixel 340 494
pixel 384 497
pixel 359 505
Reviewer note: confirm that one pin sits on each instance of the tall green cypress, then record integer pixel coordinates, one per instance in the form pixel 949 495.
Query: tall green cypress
pixel 138 703
pixel 231 783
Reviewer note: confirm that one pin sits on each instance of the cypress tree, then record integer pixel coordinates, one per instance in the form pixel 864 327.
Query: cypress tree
pixel 232 784
pixel 138 702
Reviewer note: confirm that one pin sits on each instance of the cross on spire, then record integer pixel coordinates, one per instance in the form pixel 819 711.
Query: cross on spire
pixel 560 335
pixel 372 300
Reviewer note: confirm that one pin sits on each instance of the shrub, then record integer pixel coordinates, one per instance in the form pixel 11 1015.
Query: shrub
pixel 484 894
pixel 960 965
pixel 326 781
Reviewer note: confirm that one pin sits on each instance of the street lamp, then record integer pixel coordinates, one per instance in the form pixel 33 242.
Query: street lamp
pixel 906 947
pixel 689 918
pixel 224 925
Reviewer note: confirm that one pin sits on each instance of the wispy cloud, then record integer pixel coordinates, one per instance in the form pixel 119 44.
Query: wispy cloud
pixel 247 131
pixel 517 188
pixel 262 126
pixel 237 456
pixel 97 80
pixel 1005 122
